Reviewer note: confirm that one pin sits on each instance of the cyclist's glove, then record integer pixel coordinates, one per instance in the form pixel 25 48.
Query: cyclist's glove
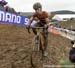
pixel 28 28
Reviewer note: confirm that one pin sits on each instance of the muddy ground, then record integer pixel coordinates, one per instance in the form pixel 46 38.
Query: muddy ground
pixel 16 47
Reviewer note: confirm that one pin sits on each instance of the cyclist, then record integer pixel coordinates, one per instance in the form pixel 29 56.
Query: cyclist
pixel 43 19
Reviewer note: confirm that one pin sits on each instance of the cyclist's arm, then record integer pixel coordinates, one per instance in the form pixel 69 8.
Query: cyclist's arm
pixel 47 21
pixel 30 21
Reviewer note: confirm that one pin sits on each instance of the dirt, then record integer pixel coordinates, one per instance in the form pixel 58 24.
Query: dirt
pixel 16 47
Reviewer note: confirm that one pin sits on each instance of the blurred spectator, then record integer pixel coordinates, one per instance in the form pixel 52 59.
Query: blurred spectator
pixel 9 9
pixel 5 7
pixel 3 2
pixel 72 52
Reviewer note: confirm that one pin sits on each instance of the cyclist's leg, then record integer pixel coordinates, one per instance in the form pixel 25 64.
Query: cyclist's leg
pixel 45 41
pixel 41 45
pixel 34 24
pixel 35 31
pixel 45 37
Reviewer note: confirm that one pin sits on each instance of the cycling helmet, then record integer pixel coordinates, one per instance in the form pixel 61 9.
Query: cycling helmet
pixel 36 6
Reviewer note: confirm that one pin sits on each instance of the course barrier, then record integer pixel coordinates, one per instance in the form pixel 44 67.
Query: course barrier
pixel 7 17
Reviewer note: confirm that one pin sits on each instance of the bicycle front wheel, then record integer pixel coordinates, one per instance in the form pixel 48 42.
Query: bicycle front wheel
pixel 35 59
pixel 36 54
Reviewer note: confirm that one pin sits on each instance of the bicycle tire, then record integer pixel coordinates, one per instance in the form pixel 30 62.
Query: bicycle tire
pixel 38 50
pixel 35 59
pixel 36 55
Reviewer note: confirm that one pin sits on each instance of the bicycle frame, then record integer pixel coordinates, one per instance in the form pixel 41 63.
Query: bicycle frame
pixel 36 54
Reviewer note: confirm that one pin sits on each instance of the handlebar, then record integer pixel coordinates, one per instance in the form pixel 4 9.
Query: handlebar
pixel 44 27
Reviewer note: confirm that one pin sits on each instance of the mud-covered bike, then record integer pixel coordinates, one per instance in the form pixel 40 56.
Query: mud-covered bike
pixel 39 44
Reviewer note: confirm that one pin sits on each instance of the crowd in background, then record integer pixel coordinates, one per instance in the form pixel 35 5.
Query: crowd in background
pixel 5 7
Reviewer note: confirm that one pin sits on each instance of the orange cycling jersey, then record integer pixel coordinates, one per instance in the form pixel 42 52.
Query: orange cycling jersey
pixel 41 17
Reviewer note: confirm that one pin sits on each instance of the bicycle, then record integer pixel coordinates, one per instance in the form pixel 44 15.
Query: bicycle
pixel 39 47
